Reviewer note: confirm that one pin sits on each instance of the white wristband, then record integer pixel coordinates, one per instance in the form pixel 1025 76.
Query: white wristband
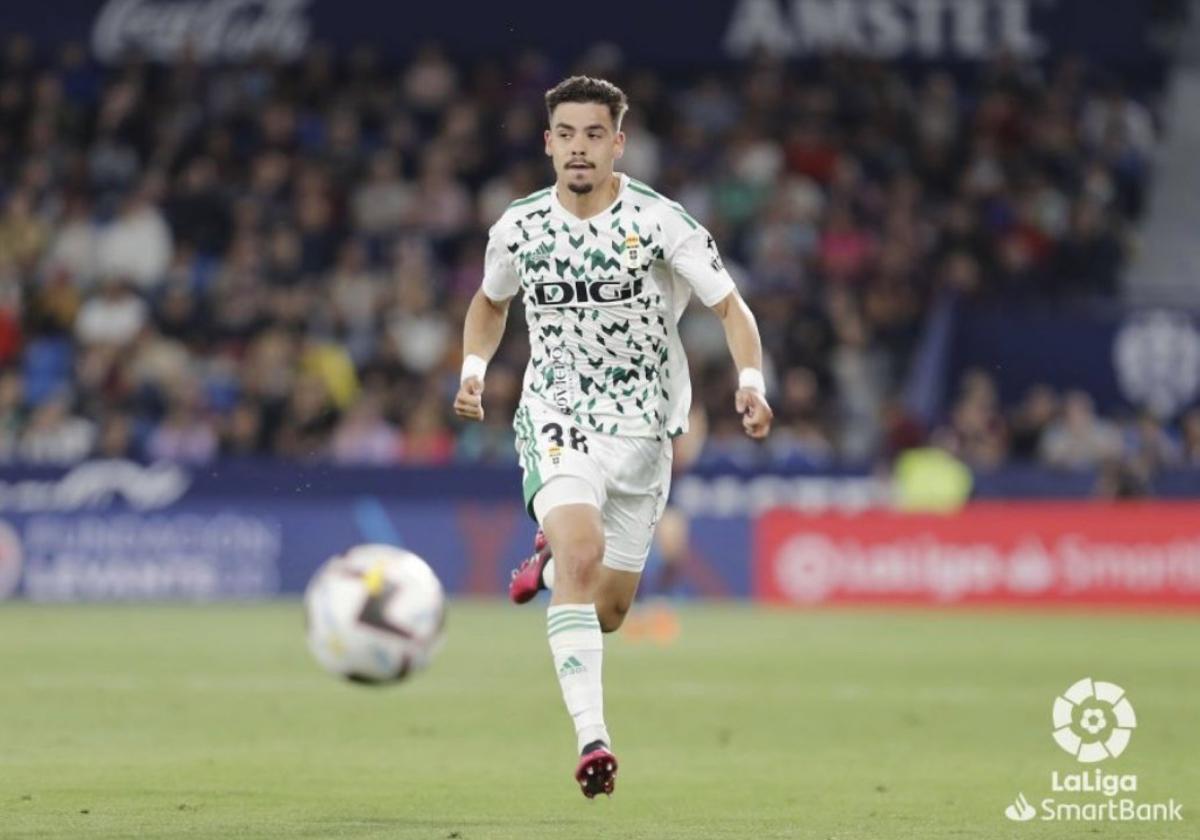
pixel 752 378
pixel 473 366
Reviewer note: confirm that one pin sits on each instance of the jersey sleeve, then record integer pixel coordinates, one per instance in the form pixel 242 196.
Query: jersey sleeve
pixel 500 280
pixel 694 258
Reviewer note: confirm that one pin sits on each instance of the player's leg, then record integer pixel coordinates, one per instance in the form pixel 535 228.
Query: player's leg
pixel 540 436
pixel 612 589
pixel 639 483
pixel 568 508
pixel 535 573
pixel 656 618
pixel 673 538
pixel 575 533
pixel 566 488
pixel 615 591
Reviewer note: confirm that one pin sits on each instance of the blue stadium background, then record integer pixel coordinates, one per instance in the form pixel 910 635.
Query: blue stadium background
pixel 237 241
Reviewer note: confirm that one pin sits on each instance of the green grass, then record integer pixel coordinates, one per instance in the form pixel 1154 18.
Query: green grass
pixel 210 721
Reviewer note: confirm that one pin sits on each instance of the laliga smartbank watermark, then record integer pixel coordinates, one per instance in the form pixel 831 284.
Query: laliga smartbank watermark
pixel 1094 722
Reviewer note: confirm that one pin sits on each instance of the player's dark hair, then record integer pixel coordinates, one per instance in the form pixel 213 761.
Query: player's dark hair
pixel 588 89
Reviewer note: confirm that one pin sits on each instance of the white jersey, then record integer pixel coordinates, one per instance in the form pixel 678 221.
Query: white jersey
pixel 603 297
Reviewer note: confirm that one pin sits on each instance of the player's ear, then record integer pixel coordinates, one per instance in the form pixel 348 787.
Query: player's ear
pixel 619 145
pixel 546 137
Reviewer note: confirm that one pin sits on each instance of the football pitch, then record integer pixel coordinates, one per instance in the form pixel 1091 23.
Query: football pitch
pixel 212 721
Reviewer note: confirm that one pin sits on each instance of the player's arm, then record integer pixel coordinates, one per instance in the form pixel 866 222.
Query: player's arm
pixel 484 324
pixel 745 345
pixel 693 256
pixel 482 331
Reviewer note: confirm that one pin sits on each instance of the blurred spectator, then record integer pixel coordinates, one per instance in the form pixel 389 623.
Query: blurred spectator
pixel 137 244
pixel 116 438
pixel 1080 439
pixel 56 436
pixel 427 440
pixel 301 242
pixel 444 205
pixel 113 316
pixel 419 331
pixel 860 374
pixel 384 202
pixel 1191 438
pixel 1089 256
pixel 242 431
pixel 74 249
pixel 977 433
pixel 356 293
pixel 22 234
pixel 1120 479
pixel 643 152
pixel 329 363
pixel 308 420
pixel 1109 114
pixel 1150 445
pixel 798 437
pixel 494 438
pixel 930 479
pixel 1028 421
pixel 199 211
pixel 183 436
pixel 845 248
pixel 364 437
pixel 431 80
pixel 12 335
pixel 12 399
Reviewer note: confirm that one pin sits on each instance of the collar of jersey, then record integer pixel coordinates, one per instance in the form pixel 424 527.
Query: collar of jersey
pixel 575 220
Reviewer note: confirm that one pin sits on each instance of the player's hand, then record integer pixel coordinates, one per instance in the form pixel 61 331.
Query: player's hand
pixel 468 404
pixel 756 414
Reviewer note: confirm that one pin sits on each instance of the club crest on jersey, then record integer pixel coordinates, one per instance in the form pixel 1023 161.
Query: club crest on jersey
pixel 574 293
pixel 633 251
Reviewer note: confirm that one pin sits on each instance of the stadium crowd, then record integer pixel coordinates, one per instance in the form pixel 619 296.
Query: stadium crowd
pixel 261 260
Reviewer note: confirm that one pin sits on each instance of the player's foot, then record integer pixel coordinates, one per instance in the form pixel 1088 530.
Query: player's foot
pixel 597 770
pixel 527 578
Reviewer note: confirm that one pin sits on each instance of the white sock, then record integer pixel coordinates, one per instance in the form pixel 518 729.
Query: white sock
pixel 548 574
pixel 578 649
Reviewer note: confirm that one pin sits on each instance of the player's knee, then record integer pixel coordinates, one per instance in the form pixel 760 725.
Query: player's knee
pixel 579 561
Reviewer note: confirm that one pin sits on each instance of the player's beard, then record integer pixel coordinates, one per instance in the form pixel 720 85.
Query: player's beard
pixel 580 187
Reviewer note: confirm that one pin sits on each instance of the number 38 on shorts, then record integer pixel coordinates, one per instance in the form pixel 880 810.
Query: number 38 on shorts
pixel 554 433
pixel 549 445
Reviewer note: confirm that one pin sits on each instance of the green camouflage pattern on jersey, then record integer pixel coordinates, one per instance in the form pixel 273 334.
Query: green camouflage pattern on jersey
pixel 598 322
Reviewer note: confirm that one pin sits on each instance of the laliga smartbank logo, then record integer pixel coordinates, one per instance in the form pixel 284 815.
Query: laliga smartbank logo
pixel 1093 721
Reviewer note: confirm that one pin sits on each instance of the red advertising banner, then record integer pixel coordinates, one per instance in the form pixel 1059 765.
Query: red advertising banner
pixel 1052 553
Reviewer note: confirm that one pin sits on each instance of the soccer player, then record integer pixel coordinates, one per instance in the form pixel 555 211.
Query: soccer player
pixel 606 266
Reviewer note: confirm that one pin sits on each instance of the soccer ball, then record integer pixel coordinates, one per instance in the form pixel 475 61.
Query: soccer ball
pixel 374 614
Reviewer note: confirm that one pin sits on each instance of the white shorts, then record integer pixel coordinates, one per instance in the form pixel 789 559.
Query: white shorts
pixel 627 478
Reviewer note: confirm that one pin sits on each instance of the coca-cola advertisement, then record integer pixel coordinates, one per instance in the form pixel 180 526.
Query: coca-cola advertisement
pixel 233 31
pixel 989 553
pixel 225 30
